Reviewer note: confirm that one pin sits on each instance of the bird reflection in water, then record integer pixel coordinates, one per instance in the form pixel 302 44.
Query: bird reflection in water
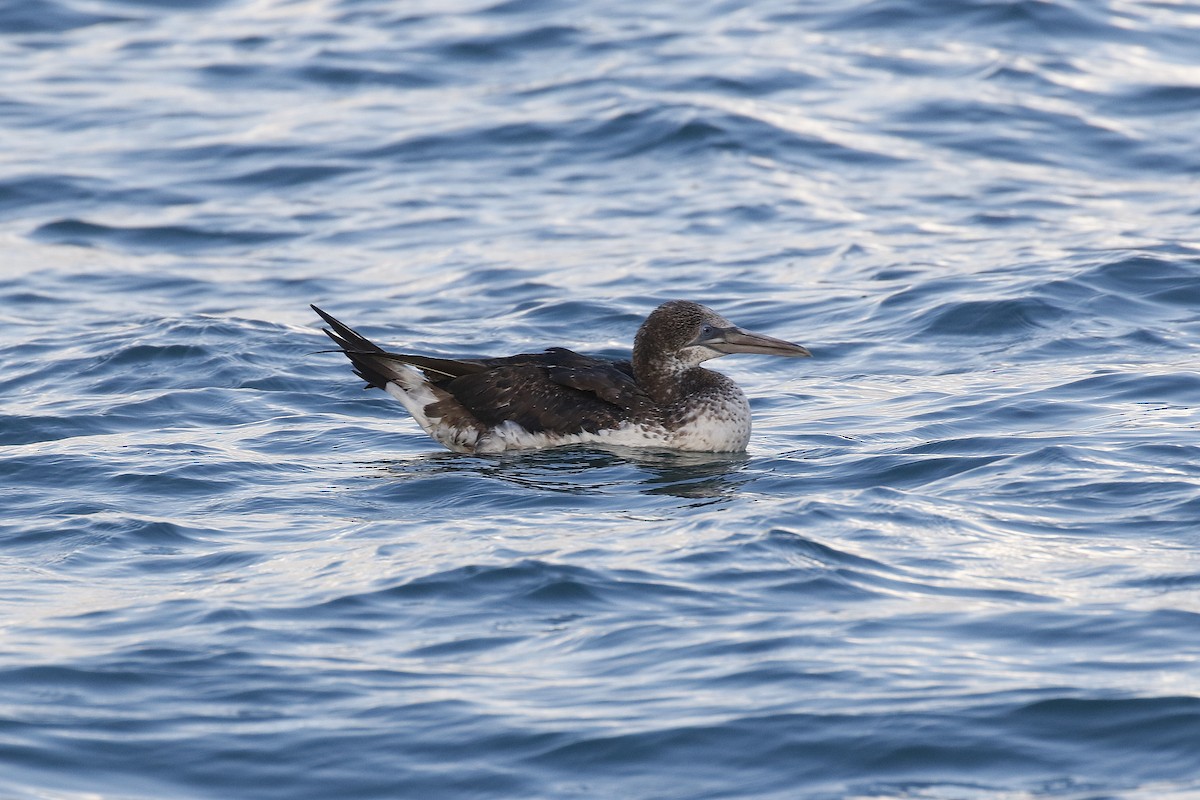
pixel 590 471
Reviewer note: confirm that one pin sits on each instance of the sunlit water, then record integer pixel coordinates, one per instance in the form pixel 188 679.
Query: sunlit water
pixel 961 558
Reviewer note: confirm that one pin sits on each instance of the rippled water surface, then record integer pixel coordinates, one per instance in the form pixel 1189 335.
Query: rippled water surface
pixel 961 558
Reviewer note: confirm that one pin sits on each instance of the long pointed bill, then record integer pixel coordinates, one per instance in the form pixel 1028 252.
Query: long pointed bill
pixel 736 340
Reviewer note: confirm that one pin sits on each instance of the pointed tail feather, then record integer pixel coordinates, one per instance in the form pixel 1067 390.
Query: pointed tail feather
pixel 362 352
pixel 369 359
pixel 346 337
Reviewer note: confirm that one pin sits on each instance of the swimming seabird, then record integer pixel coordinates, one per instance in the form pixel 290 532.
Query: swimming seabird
pixel 661 398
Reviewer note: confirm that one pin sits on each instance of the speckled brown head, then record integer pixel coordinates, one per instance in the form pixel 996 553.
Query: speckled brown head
pixel 680 335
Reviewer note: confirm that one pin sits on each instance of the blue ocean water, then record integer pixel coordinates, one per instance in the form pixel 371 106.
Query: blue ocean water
pixel 961 558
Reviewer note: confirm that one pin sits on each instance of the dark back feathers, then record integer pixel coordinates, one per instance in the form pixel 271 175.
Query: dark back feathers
pixel 558 391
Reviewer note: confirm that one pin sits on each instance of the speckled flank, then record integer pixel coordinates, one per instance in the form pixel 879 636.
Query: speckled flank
pixel 719 425
pixel 716 423
pixel 713 424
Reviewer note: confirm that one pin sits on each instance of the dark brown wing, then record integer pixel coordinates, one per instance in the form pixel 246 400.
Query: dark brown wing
pixel 558 391
pixel 611 381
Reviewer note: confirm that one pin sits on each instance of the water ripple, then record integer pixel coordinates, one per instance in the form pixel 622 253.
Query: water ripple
pixel 958 560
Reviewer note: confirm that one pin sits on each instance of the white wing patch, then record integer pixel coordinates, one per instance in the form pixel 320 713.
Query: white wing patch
pixel 415 393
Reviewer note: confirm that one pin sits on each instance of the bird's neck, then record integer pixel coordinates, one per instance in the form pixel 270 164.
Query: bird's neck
pixel 669 381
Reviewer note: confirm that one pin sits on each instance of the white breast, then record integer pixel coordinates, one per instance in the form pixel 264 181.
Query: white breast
pixel 716 423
